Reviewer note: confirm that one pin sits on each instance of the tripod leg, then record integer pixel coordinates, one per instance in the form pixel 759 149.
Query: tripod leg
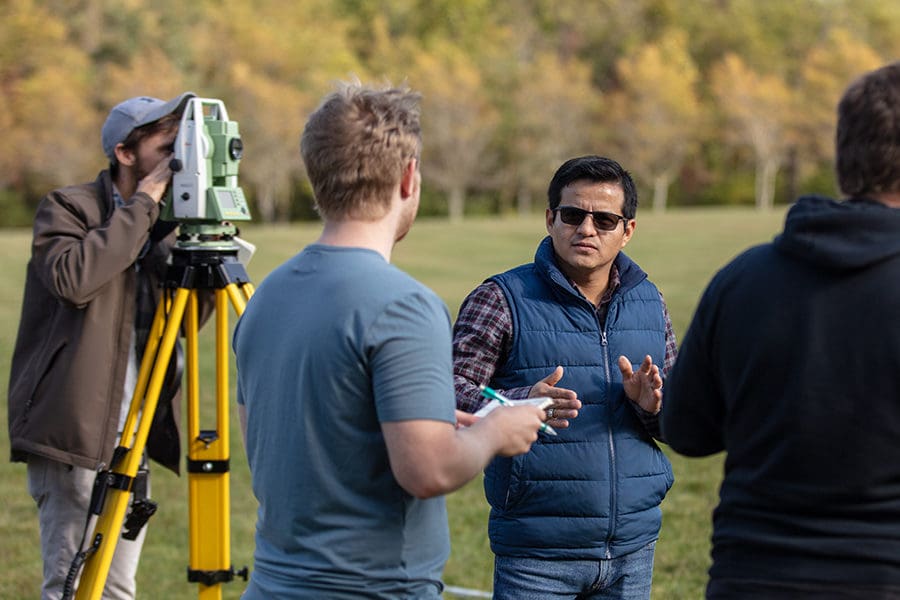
pixel 134 410
pixel 248 290
pixel 112 515
pixel 208 472
pixel 238 299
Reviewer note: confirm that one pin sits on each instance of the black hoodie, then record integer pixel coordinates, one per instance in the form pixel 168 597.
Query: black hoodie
pixel 792 366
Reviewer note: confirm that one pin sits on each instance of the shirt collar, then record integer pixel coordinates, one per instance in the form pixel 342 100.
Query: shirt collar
pixel 614 283
pixel 117 197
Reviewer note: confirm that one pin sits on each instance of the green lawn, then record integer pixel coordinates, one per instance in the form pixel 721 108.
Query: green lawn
pixel 680 250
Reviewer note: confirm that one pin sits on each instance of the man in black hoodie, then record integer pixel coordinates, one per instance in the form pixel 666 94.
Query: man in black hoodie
pixel 792 366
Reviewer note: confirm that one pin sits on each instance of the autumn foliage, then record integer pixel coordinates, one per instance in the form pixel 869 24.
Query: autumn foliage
pixel 705 101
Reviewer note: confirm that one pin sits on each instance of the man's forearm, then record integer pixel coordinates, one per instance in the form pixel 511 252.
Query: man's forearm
pixel 431 458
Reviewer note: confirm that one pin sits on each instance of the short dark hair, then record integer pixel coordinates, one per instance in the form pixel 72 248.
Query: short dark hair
pixel 597 169
pixel 867 143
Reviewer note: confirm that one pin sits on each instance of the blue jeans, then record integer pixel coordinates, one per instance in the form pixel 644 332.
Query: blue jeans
pixel 624 578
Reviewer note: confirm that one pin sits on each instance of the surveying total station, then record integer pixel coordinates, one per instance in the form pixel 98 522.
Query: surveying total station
pixel 205 200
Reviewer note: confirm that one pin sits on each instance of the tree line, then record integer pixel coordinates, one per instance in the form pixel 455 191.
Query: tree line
pixel 704 101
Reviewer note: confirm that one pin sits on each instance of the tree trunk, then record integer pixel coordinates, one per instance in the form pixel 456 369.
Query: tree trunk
pixel 265 202
pixel 660 192
pixel 91 25
pixel 523 201
pixel 456 204
pixel 766 170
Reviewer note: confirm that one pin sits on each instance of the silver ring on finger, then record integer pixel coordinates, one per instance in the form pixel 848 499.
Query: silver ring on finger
pixel 549 413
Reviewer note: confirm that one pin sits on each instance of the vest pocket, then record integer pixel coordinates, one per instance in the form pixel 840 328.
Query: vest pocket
pixel 516 481
pixel 503 482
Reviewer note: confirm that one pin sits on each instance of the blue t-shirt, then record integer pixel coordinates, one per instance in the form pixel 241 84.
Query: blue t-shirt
pixel 333 343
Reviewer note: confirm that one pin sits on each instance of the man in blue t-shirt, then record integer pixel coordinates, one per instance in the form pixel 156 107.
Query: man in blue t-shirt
pixel 345 379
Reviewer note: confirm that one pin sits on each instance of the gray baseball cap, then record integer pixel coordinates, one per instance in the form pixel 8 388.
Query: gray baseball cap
pixel 133 113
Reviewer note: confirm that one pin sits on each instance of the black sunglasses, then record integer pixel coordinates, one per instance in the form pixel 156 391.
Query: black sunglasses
pixel 603 221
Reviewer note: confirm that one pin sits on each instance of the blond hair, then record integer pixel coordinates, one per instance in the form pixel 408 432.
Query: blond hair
pixel 355 147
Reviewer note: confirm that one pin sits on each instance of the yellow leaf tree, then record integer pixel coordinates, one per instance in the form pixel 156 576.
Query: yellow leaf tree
pixel 656 113
pixel 554 107
pixel 757 112
pixel 826 71
pixel 458 122
pixel 272 61
pixel 51 134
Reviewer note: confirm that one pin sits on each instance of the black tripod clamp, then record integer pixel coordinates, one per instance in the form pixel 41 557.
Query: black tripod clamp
pixel 142 508
pixel 108 479
pixel 209 578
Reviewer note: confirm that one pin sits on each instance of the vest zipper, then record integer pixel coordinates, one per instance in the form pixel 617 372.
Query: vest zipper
pixel 612 448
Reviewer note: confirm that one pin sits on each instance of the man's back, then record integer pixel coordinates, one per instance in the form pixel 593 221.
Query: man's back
pixel 799 380
pixel 329 347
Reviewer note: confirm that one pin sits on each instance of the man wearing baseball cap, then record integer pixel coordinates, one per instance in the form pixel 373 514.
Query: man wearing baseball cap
pixel 91 287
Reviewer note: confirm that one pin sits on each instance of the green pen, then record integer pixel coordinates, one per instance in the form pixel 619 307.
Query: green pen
pixel 504 401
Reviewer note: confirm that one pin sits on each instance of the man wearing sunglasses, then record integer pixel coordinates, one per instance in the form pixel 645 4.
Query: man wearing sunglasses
pixel 578 516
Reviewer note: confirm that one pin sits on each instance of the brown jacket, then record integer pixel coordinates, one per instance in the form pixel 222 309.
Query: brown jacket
pixel 67 379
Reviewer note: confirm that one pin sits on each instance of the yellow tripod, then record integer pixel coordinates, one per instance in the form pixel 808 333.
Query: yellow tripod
pixel 192 269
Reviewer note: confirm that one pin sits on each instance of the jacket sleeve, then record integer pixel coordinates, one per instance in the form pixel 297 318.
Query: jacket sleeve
pixel 76 251
pixel 693 409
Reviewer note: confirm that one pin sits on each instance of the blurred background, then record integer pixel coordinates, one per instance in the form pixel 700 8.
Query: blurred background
pixel 723 106
pixel 705 101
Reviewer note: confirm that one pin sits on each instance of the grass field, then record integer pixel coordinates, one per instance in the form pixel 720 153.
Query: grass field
pixel 680 250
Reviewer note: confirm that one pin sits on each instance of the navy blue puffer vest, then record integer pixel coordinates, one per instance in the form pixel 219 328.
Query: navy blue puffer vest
pixel 593 491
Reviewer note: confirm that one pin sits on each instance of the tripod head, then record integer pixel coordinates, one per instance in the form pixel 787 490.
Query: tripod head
pixel 205 198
